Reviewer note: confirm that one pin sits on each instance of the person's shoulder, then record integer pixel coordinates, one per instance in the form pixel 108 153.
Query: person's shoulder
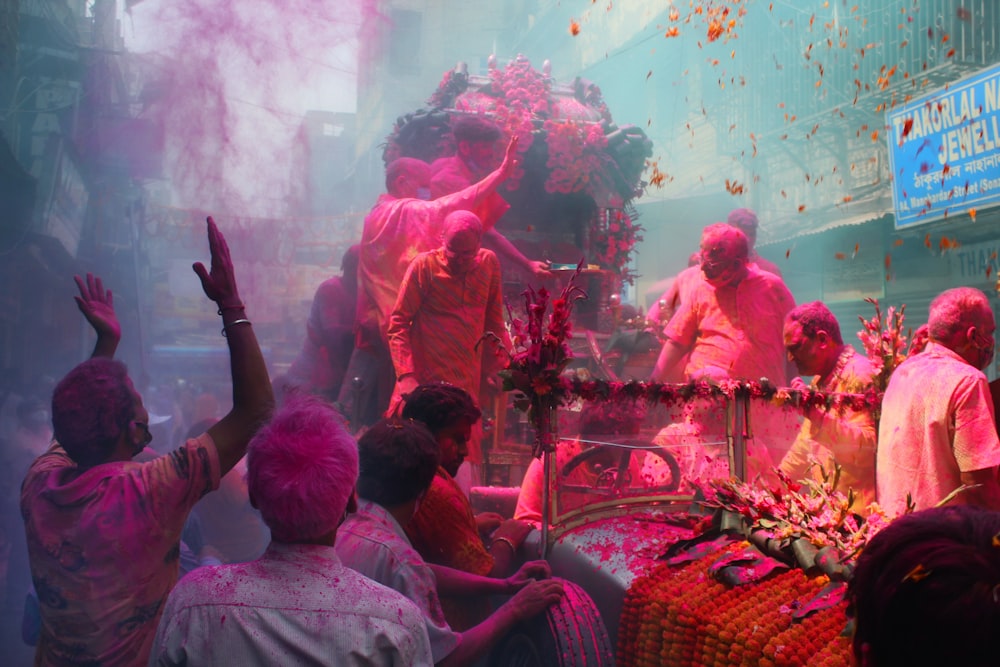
pixel 488 257
pixel 202 584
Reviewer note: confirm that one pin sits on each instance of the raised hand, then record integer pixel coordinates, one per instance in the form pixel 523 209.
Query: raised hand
pixel 219 283
pixel 510 158
pixel 97 305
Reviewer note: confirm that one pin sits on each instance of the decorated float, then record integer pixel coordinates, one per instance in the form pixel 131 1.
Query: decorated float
pixel 684 544
pixel 579 172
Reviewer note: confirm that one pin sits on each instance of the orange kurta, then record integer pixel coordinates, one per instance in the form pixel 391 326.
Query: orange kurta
pixel 439 320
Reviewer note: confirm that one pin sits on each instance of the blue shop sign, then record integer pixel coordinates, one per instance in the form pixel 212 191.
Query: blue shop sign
pixel 944 150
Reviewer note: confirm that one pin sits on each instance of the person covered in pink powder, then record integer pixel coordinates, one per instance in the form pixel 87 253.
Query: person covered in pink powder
pixel 450 298
pixel 937 432
pixel 475 143
pixel 321 364
pixel 732 325
pixel 830 437
pixel 729 329
pixel 297 603
pixel 398 459
pixel 745 220
pixel 103 531
pixel 401 225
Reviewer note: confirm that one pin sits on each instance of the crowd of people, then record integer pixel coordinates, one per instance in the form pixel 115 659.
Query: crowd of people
pixel 327 503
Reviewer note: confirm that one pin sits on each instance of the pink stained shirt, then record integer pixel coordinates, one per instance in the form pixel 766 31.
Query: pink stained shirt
pixel 937 422
pixel 846 437
pixel 680 291
pixel 104 547
pixel 395 232
pixel 439 320
pixel 373 543
pixel 735 332
pixel 297 604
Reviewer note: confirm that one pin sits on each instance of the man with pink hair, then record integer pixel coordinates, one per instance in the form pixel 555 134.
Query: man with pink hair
pixel 103 531
pixel 731 326
pixel 937 432
pixel 297 603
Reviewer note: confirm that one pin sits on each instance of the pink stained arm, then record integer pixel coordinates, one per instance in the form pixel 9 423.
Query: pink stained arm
pixel 666 368
pixel 252 397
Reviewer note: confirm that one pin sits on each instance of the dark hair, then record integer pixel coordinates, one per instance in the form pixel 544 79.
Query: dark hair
pixel 91 406
pixel 439 405
pixel 814 317
pixel 475 129
pixel 926 590
pixel 397 459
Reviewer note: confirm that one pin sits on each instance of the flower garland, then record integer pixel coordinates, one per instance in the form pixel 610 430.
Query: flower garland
pixel 685 616
pixel 621 232
pixel 669 394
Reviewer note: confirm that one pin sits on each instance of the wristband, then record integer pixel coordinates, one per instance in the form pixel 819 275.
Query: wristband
pixel 231 324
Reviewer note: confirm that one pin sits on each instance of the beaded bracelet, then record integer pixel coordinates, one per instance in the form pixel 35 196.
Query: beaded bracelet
pixel 235 306
pixel 233 323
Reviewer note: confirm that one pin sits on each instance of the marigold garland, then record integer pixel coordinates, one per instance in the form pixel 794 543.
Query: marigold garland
pixel 683 616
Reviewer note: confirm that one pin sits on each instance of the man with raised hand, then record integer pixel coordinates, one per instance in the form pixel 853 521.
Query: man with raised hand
pixel 103 531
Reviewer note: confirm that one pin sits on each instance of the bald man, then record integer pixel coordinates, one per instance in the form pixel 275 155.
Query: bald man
pixel 449 298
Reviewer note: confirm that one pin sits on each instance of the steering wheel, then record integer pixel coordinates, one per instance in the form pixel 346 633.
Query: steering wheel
pixel 617 478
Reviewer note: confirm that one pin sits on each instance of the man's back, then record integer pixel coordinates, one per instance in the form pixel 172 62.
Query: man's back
pixel 937 422
pixel 104 547
pixel 297 604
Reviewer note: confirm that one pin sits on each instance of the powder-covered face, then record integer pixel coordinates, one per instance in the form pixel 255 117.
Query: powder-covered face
pixel 460 250
pixel 982 342
pixel 808 354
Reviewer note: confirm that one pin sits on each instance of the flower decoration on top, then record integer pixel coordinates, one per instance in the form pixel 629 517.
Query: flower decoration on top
pixel 568 144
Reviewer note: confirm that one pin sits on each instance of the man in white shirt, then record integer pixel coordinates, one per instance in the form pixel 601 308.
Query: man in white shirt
pixel 398 461
pixel 296 604
pixel 937 431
